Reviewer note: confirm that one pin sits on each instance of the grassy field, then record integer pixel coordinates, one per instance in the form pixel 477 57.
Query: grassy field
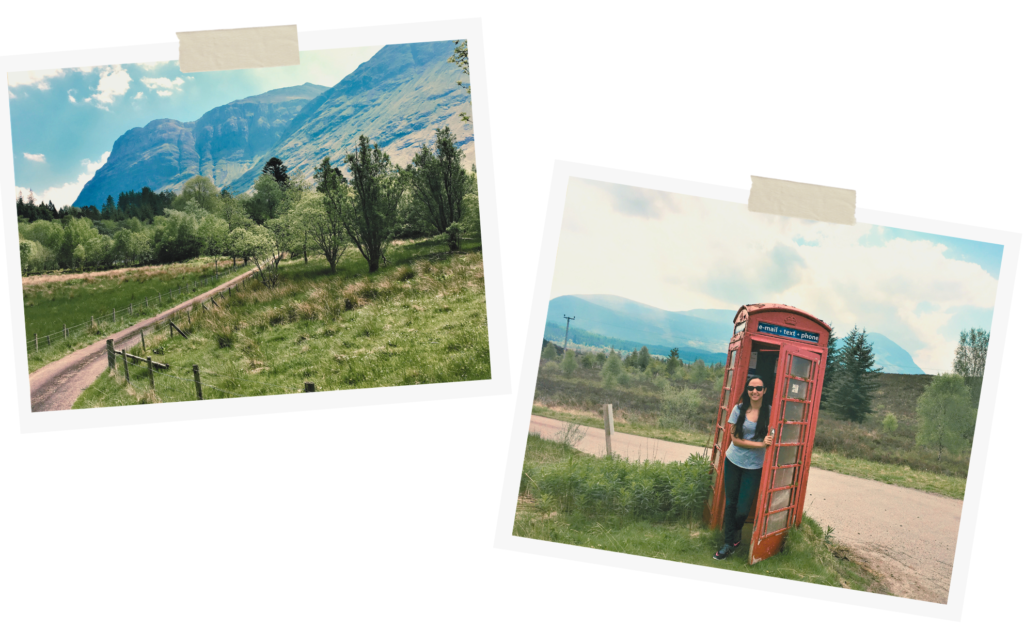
pixel 421 319
pixel 807 555
pixel 863 450
pixel 56 300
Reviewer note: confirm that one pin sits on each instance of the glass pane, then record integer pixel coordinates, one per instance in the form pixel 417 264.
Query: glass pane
pixel 787 455
pixel 780 499
pixel 801 367
pixel 776 522
pixel 784 478
pixel 791 433
pixel 797 390
pixel 720 436
pixel 732 359
pixel 794 412
pixel 753 360
pixel 728 381
pixel 714 456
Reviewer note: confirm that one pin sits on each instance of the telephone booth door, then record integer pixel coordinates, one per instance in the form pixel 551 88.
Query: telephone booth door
pixel 787 461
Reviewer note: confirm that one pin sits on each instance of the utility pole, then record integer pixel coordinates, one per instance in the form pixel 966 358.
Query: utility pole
pixel 567 320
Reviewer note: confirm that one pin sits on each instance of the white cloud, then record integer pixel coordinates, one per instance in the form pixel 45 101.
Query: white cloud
pixel 113 82
pixel 70 97
pixel 35 157
pixel 38 78
pixel 163 85
pixel 701 253
pixel 138 96
pixel 152 65
pixel 67 193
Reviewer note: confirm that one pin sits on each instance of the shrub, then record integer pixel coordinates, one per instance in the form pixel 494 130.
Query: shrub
pixel 549 352
pixel 587 361
pixel 889 424
pixel 680 408
pixel 569 362
pixel 946 414
pixel 612 370
pixel 550 368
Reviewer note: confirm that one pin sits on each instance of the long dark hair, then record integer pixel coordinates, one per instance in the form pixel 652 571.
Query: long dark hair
pixel 762 416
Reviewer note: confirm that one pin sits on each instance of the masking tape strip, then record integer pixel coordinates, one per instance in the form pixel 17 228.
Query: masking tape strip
pixel 238 48
pixel 803 200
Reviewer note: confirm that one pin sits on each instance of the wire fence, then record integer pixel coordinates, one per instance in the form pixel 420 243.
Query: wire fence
pixel 125 317
pixel 144 373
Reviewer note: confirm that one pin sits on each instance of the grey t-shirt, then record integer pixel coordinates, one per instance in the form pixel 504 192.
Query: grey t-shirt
pixel 745 457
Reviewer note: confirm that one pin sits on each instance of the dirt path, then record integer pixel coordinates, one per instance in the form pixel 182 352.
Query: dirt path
pixel 906 537
pixel 56 386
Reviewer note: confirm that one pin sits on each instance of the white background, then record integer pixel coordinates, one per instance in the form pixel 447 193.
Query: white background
pixel 386 516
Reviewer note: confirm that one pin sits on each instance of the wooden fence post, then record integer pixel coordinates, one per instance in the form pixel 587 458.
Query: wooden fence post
pixel 114 314
pixel 199 385
pixel 143 333
pixel 147 302
pixel 609 427
pixel 110 355
pixel 130 310
pixel 310 388
pixel 124 356
pixel 37 341
pixel 170 330
pixel 93 320
pixel 47 340
pixel 149 363
pixel 189 313
pixel 65 331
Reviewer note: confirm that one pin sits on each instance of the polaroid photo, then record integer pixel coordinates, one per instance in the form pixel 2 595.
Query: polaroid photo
pixel 728 395
pixel 261 240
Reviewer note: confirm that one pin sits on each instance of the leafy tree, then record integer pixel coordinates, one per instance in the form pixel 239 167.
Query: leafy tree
pixel 830 367
pixel 267 201
pixel 213 236
pixel 461 59
pixel 612 369
pixel 855 380
pixel 176 236
pixel 321 216
pixel 946 415
pixel 370 220
pixel 202 191
pixel 969 360
pixel 569 362
pixel 77 231
pixel 276 169
pixel 439 185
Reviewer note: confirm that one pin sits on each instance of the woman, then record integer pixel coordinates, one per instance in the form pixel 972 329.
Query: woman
pixel 743 462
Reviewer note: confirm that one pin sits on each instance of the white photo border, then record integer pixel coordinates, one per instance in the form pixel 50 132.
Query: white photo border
pixel 504 539
pixel 499 383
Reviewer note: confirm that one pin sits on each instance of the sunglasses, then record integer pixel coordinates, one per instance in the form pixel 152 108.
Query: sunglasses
pixel 755 388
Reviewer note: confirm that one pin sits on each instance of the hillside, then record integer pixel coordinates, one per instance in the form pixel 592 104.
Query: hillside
pixel 578 337
pixel 222 144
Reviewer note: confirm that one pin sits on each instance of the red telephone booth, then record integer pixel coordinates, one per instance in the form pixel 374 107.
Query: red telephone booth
pixel 786 348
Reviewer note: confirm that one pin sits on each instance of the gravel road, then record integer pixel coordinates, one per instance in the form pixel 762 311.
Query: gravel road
pixel 905 536
pixel 56 386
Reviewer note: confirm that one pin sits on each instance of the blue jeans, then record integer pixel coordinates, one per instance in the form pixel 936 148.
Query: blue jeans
pixel 741 487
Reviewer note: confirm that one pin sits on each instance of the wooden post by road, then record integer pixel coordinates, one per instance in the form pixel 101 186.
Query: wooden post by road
pixel 149 363
pixel 65 331
pixel 114 314
pixel 130 310
pixel 93 320
pixel 110 355
pixel 124 357
pixel 609 428
pixel 37 341
pixel 199 385
pixel 147 302
pixel 310 388
pixel 143 333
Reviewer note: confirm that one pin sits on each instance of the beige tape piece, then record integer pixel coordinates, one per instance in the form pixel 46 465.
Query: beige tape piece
pixel 238 48
pixel 803 200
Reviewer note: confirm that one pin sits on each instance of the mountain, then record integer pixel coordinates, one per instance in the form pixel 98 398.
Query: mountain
pixel 891 357
pixel 612 321
pixel 396 98
pixel 223 144
pixel 622 318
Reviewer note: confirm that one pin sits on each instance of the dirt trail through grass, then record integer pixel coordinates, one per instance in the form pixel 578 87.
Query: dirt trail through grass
pixel 907 538
pixel 56 386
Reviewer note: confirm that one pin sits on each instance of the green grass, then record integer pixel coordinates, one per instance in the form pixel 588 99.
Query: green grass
pixel 863 450
pixel 806 555
pixel 54 301
pixel 421 319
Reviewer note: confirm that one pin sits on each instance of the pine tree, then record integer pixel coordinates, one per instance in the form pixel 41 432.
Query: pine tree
pixel 830 367
pixel 674 362
pixel 644 358
pixel 276 169
pixel 855 379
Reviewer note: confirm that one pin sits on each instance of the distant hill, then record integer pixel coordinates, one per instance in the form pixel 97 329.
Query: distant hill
pixel 223 144
pixel 613 321
pixel 891 357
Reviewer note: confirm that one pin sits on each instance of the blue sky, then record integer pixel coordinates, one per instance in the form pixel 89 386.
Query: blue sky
pixel 679 252
pixel 64 122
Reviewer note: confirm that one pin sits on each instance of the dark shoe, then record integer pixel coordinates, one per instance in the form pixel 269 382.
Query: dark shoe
pixel 726 550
